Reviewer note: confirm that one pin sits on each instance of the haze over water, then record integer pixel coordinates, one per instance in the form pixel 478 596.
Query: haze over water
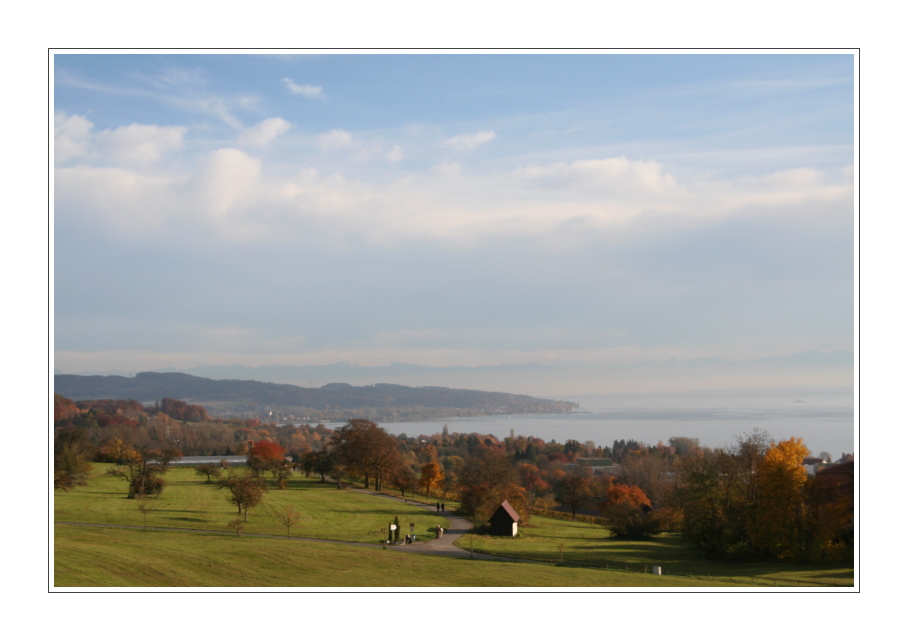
pixel 825 423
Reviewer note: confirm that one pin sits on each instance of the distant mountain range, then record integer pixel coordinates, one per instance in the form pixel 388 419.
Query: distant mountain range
pixel 335 401
pixel 547 380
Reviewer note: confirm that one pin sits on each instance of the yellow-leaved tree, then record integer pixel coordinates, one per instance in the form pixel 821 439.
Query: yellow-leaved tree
pixel 430 476
pixel 776 520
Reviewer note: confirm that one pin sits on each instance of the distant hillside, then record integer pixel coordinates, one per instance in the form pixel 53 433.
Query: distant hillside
pixel 335 401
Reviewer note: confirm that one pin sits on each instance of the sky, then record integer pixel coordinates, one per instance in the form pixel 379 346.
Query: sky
pixel 607 222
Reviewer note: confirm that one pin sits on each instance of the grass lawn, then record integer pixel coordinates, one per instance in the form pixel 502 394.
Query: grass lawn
pixel 589 545
pixel 108 557
pixel 188 502
pixel 122 558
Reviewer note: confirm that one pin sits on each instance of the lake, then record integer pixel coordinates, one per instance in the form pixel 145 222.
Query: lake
pixel 825 422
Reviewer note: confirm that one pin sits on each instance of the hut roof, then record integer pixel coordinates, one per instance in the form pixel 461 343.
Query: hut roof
pixel 509 510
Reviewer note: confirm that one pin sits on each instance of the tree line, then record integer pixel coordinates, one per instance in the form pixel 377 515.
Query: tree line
pixel 751 500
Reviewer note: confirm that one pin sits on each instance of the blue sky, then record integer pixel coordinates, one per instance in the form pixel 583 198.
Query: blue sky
pixel 591 214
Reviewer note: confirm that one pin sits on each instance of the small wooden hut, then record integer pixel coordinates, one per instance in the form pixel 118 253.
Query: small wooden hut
pixel 504 521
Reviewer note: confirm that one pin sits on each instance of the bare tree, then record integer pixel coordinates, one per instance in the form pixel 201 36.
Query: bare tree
pixel 145 508
pixel 236 525
pixel 289 517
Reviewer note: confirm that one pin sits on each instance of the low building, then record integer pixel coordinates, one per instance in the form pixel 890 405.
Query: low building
pixel 504 521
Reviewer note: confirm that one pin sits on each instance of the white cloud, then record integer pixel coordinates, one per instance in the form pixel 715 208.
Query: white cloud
pixel 609 174
pixel 264 132
pixel 139 144
pixel 307 91
pixel 395 155
pixel 335 139
pixel 231 195
pixel 133 144
pixel 220 197
pixel 226 177
pixel 467 142
pixel 72 135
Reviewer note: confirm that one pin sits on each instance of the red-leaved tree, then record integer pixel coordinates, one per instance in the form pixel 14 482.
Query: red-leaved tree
pixel 268 455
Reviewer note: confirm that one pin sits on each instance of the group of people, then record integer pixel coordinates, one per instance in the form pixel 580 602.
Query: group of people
pixel 439 507
pixel 439 531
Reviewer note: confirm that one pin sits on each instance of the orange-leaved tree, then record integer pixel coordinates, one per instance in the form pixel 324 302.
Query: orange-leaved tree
pixel 628 513
pixel 429 476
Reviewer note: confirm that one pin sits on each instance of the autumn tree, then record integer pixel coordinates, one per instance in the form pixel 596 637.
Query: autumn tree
pixel 447 484
pixel 72 455
pixel 209 471
pixel 366 450
pixel 322 462
pixel 716 493
pixel 649 470
pixel 236 525
pixel 404 479
pixel 116 450
pixel 143 470
pixel 487 481
pixel 246 491
pixel 289 517
pixel 430 475
pixel 575 491
pixel 827 524
pixel 776 520
pixel 684 446
pixel 182 411
pixel 265 455
pixel 628 513
pixel 145 507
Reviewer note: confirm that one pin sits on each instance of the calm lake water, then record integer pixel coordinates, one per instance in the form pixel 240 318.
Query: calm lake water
pixel 826 423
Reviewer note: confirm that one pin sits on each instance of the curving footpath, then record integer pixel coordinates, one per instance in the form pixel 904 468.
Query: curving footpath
pixel 445 545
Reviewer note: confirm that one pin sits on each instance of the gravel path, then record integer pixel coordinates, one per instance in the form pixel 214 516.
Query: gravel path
pixel 443 546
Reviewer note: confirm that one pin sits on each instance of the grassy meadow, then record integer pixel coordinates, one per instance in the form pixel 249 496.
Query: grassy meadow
pixel 577 543
pixel 109 557
pixel 114 557
pixel 188 502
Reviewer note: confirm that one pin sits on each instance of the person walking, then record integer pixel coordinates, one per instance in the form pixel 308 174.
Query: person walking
pixel 442 507
pixel 437 506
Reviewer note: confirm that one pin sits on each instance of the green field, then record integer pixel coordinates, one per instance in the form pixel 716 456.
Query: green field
pixel 187 502
pixel 588 545
pixel 112 557
pixel 108 557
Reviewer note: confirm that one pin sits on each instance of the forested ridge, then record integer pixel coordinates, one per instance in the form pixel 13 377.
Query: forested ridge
pixel 330 402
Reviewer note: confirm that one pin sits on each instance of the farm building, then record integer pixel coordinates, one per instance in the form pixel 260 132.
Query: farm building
pixel 504 521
